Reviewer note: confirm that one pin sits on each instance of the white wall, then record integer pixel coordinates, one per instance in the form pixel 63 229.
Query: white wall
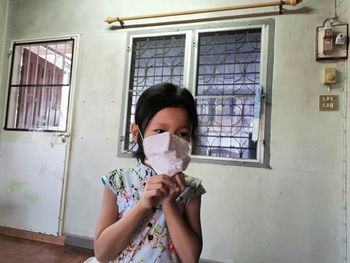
pixel 290 213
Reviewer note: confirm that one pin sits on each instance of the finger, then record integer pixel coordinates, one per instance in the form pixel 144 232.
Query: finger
pixel 158 178
pixel 159 186
pixel 155 193
pixel 180 176
pixel 161 178
pixel 180 181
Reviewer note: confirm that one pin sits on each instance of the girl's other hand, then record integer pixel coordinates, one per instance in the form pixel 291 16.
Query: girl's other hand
pixel 176 188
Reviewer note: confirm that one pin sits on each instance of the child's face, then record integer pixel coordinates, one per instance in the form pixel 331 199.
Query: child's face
pixel 173 120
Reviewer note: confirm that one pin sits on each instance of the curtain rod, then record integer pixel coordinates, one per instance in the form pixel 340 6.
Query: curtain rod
pixel 281 3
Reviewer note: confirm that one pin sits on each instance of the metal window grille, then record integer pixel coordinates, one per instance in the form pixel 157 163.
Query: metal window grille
pixel 228 74
pixel 153 60
pixel 226 91
pixel 39 86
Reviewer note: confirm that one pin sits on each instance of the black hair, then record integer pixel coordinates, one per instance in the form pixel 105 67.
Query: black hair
pixel 156 98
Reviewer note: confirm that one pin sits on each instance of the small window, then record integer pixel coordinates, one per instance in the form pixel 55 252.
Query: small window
pixel 227 75
pixel 40 86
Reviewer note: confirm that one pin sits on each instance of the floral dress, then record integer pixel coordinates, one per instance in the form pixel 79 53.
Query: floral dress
pixel 151 242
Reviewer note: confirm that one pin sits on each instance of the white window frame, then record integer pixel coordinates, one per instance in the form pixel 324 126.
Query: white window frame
pixel 189 81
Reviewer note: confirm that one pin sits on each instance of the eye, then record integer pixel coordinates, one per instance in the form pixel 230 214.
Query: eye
pixel 183 134
pixel 159 131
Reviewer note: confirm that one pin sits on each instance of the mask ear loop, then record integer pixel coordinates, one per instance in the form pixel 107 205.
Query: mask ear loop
pixel 139 132
pixel 142 140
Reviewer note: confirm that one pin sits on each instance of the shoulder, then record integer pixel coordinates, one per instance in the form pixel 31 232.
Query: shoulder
pixel 195 187
pixel 115 179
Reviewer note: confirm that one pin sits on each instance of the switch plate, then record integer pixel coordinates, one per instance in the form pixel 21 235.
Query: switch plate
pixel 330 76
pixel 328 103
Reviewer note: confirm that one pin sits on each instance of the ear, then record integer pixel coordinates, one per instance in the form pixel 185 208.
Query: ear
pixel 134 132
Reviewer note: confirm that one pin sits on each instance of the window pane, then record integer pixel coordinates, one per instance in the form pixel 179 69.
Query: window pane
pixel 40 84
pixel 39 108
pixel 46 63
pixel 228 74
pixel 225 127
pixel 154 60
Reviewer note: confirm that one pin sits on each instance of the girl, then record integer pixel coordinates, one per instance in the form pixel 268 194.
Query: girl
pixel 150 216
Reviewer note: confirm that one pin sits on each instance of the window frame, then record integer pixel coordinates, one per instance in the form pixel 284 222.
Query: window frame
pixel 124 112
pixel 190 75
pixel 75 39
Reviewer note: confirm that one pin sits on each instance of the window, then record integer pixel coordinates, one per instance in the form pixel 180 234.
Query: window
pixel 39 86
pixel 154 60
pixel 226 73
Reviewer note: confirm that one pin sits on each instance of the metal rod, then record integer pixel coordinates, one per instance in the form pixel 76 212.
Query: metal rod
pixel 121 20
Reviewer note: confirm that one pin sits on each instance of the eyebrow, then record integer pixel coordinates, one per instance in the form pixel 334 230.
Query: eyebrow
pixel 182 126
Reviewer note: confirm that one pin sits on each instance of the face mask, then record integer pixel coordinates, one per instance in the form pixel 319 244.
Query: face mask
pixel 166 153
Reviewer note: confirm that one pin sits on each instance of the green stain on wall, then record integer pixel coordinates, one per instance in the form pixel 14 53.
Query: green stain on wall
pixel 32 197
pixel 15 185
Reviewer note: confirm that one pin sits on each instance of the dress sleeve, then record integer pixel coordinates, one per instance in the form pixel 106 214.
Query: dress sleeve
pixel 113 180
pixel 196 187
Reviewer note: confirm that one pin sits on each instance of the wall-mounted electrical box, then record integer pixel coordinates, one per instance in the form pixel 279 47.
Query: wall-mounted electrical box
pixel 330 76
pixel 332 41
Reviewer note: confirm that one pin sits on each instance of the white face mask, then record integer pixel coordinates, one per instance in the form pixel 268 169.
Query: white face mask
pixel 166 153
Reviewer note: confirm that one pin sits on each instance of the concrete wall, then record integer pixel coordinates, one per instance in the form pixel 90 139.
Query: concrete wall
pixel 292 212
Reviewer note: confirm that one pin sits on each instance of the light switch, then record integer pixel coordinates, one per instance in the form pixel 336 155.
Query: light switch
pixel 328 103
pixel 330 76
